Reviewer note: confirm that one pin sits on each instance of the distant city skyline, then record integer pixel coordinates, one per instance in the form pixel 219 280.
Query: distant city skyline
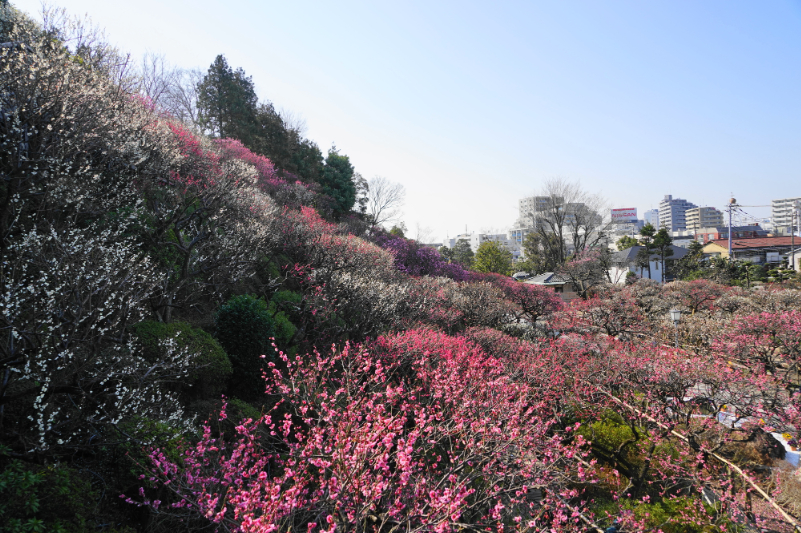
pixel 472 105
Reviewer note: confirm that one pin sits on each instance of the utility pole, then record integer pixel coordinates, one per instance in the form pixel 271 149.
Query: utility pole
pixel 793 225
pixel 732 203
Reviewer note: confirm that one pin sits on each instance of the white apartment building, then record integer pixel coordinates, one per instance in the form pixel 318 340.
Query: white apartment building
pixel 672 213
pixel 652 217
pixel 702 217
pixel 528 208
pixel 476 239
pixel 517 234
pixel 782 211
pixel 531 208
pixel 682 238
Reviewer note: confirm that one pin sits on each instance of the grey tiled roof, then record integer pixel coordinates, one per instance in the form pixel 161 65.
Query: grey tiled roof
pixel 630 254
pixel 549 278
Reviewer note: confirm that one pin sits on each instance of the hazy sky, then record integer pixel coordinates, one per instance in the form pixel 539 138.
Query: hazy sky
pixel 472 105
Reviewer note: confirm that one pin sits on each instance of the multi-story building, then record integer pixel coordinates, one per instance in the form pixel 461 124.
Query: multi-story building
pixel 549 214
pixel 782 211
pixel 451 242
pixel 672 213
pixel 702 217
pixel 754 231
pixel 518 232
pixel 531 205
pixel 766 224
pixel 652 217
pixel 682 238
pixel 631 229
pixel 475 240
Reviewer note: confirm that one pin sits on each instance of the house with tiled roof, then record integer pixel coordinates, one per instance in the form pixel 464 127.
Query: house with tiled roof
pixel 560 284
pixel 758 250
pixel 626 261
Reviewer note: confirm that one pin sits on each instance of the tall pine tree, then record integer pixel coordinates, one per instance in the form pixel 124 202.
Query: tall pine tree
pixel 337 182
pixel 227 102
pixel 644 254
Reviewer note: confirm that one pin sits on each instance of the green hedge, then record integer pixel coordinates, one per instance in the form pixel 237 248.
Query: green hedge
pixel 245 329
pixel 211 367
pixel 284 328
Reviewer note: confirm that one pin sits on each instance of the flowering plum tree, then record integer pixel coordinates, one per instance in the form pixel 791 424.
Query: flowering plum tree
pixel 69 369
pixel 197 215
pixel 695 296
pixel 613 312
pixel 532 304
pixel 75 147
pixel 586 270
pixel 769 341
pixel 418 432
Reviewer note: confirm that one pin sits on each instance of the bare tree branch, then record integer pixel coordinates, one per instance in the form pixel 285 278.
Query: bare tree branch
pixel 385 199
pixel 84 39
pixel 172 90
pixel 567 218
pixel 156 78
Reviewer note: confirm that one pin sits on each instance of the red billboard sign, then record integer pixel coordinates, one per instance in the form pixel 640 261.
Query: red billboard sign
pixel 627 214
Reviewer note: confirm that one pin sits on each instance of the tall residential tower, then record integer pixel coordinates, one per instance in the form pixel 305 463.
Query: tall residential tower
pixel 672 213
pixel 703 217
pixel 782 213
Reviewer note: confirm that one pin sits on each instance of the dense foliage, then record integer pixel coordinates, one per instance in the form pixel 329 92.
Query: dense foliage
pixel 370 384
pixel 493 257
pixel 245 329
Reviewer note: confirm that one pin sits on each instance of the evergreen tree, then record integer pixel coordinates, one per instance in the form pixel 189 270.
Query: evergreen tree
pixel 540 253
pixel 691 266
pixel 306 160
pixel 463 253
pixel 626 242
pixel 273 138
pixel 227 103
pixel 285 146
pixel 647 241
pixel 228 107
pixel 337 182
pixel 662 243
pixel 399 230
pixel 245 329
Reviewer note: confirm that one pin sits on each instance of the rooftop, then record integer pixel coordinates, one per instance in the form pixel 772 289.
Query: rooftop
pixel 758 242
pixel 548 278
pixel 630 254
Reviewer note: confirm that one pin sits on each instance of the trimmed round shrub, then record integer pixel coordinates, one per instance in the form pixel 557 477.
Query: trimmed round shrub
pixel 245 329
pixel 284 328
pixel 210 367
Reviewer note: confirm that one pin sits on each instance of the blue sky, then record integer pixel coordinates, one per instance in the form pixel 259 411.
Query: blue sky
pixel 472 105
